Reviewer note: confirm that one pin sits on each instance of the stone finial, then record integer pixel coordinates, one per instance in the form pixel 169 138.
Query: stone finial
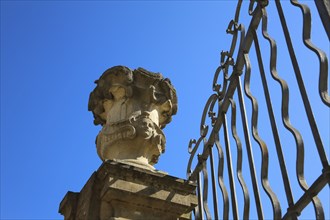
pixel 133 107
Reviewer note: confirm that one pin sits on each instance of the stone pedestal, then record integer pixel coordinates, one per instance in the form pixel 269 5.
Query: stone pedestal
pixel 122 191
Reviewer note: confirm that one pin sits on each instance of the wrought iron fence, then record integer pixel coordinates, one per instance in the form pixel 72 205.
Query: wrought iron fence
pixel 221 106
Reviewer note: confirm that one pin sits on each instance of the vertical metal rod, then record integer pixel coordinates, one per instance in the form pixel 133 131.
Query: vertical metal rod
pixel 249 150
pixel 214 188
pixel 230 169
pixel 276 137
pixel 200 199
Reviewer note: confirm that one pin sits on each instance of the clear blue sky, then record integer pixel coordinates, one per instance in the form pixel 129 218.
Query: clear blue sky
pixel 52 51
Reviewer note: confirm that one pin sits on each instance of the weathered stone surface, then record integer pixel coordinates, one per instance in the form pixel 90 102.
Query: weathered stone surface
pixel 68 205
pixel 121 191
pixel 133 107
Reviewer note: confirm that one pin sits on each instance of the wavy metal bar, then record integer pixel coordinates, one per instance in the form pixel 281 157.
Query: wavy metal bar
pixel 286 118
pixel 323 79
pixel 246 209
pixel 249 151
pixel 307 105
pixel 285 105
pixel 205 192
pixel 261 143
pixel 214 186
pixel 271 115
pixel 220 179
pixel 230 168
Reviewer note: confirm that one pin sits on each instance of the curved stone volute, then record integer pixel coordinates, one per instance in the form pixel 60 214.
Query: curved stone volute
pixel 133 107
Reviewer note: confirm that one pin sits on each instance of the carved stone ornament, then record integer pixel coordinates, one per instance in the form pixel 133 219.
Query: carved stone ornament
pixel 133 107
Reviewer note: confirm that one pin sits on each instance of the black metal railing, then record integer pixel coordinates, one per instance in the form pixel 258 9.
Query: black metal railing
pixel 276 124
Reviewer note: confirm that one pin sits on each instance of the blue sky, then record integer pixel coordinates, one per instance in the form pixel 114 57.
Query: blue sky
pixel 52 51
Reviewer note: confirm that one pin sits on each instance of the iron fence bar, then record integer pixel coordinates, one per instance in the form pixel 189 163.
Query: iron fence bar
pixel 285 115
pixel 192 151
pixel 239 161
pixel 200 199
pixel 238 9
pixel 307 105
pixel 220 179
pixel 205 191
pixel 249 151
pixel 271 115
pixel 203 132
pixel 230 169
pixel 256 17
pixel 285 107
pixel 214 188
pixel 323 60
pixel 323 7
pixel 261 143
pixel 309 194
pixel 224 99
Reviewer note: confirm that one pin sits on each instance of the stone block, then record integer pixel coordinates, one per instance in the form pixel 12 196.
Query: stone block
pixel 122 191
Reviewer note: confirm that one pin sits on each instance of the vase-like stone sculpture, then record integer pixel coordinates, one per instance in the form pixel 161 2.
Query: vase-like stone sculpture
pixel 133 107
